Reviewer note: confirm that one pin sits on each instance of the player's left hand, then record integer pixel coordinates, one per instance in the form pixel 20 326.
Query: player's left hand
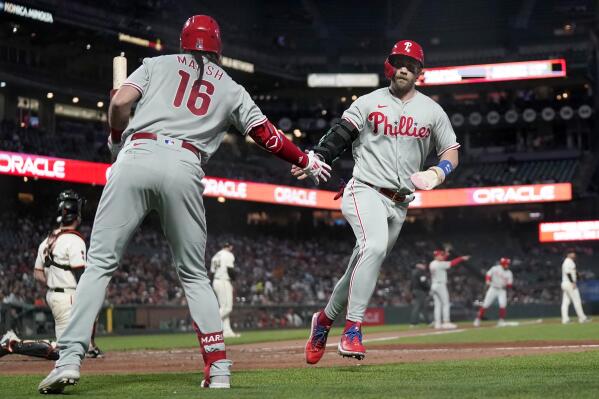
pixel 428 179
pixel 317 169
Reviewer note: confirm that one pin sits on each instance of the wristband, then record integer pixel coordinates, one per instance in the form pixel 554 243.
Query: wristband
pixel 445 166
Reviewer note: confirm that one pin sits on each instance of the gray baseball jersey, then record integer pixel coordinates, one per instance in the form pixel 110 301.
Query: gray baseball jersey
pixel 500 277
pixel 438 270
pixel 394 141
pixel 396 137
pixel 164 176
pixel 176 105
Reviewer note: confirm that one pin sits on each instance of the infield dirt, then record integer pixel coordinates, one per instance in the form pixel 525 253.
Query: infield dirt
pixel 289 354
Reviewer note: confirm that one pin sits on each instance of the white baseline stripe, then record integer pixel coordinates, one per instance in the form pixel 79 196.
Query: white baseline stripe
pixel 331 345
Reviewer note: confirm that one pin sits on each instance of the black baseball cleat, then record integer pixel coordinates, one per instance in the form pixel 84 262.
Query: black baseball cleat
pixel 94 353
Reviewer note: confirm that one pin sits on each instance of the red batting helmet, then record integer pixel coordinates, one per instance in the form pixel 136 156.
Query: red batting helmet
pixel 201 33
pixel 440 252
pixel 409 48
pixel 505 262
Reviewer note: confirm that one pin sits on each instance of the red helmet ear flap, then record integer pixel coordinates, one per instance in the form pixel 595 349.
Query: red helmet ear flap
pixel 389 69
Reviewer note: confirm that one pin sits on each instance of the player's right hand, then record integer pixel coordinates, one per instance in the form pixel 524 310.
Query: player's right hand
pixel 317 169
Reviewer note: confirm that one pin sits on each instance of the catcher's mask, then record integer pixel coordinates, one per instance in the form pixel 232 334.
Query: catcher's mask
pixel 69 206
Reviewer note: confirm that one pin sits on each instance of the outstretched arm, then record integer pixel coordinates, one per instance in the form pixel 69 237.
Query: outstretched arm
pixel 267 136
pixel 334 143
pixel 459 260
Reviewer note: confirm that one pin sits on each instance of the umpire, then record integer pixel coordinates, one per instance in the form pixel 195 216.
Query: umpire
pixel 420 287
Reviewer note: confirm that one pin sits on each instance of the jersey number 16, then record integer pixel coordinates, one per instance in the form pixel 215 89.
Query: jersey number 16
pixel 194 94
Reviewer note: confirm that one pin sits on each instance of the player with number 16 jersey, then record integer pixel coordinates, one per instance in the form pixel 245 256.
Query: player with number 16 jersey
pixel 186 103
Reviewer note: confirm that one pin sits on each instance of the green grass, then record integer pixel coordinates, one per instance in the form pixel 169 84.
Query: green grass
pixel 532 332
pixel 547 331
pixel 189 340
pixel 551 376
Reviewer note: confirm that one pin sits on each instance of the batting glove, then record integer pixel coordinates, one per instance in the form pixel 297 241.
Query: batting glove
pixel 317 169
pixel 428 179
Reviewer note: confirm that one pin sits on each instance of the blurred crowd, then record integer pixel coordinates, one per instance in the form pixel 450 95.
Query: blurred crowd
pixel 273 270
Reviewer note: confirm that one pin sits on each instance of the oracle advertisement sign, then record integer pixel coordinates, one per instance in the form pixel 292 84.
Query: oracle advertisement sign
pixel 37 166
pixel 569 231
pixel 95 173
pixel 518 194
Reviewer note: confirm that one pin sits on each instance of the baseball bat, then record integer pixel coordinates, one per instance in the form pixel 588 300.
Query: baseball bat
pixel 119 74
pixel 119 71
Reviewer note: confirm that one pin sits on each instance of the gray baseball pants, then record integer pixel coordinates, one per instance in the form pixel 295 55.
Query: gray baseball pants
pixel 148 175
pixel 376 221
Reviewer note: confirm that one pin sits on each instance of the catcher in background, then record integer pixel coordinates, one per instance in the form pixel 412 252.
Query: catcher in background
pixel 570 290
pixel 59 265
pixel 222 272
pixel 499 278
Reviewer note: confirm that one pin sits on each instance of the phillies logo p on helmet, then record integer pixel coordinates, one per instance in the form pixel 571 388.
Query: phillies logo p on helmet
pixel 407 46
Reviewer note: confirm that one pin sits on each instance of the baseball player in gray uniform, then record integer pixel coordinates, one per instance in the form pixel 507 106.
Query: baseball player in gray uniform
pixel 438 268
pixel 499 279
pixel 186 103
pixel 390 131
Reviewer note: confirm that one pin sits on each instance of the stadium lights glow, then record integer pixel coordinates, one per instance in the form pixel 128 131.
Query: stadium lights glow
pixel 581 230
pixel 88 46
pixel 221 199
pixel 2 84
pixel 50 95
pixel 237 64
pixel 297 133
pixel 323 112
pixel 507 71
pixel 100 104
pixel 75 100
pixel 343 99
pixel 343 80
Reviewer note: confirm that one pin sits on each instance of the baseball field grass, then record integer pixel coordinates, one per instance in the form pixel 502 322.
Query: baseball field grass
pixel 189 340
pixel 536 376
pixel 550 376
pixel 549 330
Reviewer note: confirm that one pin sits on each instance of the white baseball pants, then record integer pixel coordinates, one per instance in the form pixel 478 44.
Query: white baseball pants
pixel 224 294
pixel 60 304
pixel 441 302
pixel 571 295
pixel 494 293
pixel 376 222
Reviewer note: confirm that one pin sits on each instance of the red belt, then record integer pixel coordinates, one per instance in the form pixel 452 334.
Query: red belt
pixel 391 194
pixel 154 136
